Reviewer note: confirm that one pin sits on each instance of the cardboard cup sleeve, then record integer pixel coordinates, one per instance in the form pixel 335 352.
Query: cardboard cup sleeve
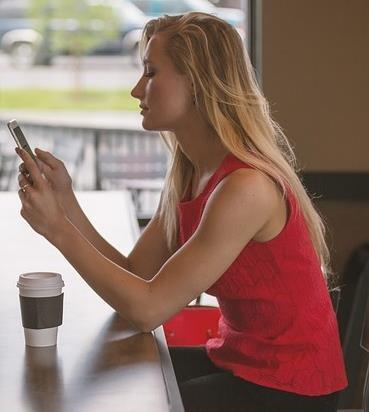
pixel 41 312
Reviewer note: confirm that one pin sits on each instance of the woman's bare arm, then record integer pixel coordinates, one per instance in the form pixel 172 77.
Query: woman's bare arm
pixel 148 254
pixel 237 210
pixel 240 208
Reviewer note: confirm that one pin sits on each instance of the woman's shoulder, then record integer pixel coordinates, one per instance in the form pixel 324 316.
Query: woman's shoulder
pixel 254 200
pixel 241 206
pixel 248 189
pixel 238 172
pixel 244 181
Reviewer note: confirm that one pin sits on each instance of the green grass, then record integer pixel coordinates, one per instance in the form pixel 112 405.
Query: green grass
pixel 39 99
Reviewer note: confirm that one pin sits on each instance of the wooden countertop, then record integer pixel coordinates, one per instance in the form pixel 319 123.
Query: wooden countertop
pixel 100 361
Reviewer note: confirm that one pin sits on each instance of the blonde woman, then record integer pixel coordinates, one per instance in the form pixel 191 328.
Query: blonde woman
pixel 233 220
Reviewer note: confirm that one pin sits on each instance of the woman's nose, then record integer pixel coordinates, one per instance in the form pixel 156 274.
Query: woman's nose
pixel 137 91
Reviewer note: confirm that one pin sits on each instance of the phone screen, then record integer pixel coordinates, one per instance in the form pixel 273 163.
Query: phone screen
pixel 20 138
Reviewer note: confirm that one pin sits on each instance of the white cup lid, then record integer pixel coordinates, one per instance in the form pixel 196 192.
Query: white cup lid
pixel 40 280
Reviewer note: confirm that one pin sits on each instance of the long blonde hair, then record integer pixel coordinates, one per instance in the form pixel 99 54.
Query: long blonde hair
pixel 211 53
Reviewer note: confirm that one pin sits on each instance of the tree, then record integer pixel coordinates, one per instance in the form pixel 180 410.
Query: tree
pixel 74 26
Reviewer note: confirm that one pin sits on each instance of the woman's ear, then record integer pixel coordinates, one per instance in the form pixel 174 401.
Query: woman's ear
pixel 192 89
pixel 190 83
pixel 193 92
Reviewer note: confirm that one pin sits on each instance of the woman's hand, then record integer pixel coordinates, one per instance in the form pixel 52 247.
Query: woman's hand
pixel 40 207
pixel 56 174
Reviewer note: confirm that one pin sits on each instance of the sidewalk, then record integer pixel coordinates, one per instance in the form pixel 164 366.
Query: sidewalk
pixel 89 119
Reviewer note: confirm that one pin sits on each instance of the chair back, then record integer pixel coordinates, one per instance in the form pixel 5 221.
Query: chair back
pixel 192 326
pixel 352 310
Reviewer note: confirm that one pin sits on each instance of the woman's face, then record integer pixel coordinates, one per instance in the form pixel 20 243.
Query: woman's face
pixel 164 93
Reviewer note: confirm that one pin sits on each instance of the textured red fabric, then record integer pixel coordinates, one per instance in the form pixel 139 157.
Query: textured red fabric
pixel 277 326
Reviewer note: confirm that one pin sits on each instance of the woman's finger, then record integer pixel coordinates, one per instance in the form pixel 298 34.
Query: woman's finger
pixel 47 158
pixel 32 167
pixel 24 202
pixel 21 195
pixel 22 168
pixel 26 189
pixel 22 180
pixel 24 171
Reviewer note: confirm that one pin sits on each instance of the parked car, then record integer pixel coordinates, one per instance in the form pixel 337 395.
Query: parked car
pixel 17 36
pixel 26 46
pixel 156 8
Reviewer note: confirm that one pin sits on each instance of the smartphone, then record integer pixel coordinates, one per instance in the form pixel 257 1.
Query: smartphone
pixel 19 137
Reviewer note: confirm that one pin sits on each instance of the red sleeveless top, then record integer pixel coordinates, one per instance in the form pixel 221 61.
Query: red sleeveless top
pixel 277 326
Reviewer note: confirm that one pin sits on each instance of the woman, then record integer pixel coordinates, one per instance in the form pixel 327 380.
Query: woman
pixel 233 220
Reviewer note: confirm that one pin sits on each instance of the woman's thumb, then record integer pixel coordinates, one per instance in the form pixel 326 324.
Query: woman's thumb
pixel 47 158
pixel 44 168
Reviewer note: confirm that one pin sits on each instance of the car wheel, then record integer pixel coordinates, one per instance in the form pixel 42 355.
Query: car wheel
pixel 23 55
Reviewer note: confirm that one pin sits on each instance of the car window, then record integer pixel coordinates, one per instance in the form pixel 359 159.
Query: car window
pixel 14 9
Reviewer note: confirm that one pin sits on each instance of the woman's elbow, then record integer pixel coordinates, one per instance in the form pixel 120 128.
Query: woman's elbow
pixel 145 320
pixel 145 326
pixel 143 314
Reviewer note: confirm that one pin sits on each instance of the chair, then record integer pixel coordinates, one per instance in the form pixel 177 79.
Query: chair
pixel 364 343
pixel 335 295
pixel 352 321
pixel 192 326
pixel 70 149
pixel 141 174
pixel 197 323
pixel 8 171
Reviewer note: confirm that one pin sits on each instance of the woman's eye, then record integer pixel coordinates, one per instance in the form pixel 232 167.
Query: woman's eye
pixel 149 74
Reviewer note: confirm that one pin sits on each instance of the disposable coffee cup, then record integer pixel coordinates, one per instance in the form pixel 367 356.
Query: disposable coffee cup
pixel 41 303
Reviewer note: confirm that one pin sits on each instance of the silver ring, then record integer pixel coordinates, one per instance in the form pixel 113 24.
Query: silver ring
pixel 23 188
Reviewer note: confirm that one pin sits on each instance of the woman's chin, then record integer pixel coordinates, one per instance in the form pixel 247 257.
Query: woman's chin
pixel 148 125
